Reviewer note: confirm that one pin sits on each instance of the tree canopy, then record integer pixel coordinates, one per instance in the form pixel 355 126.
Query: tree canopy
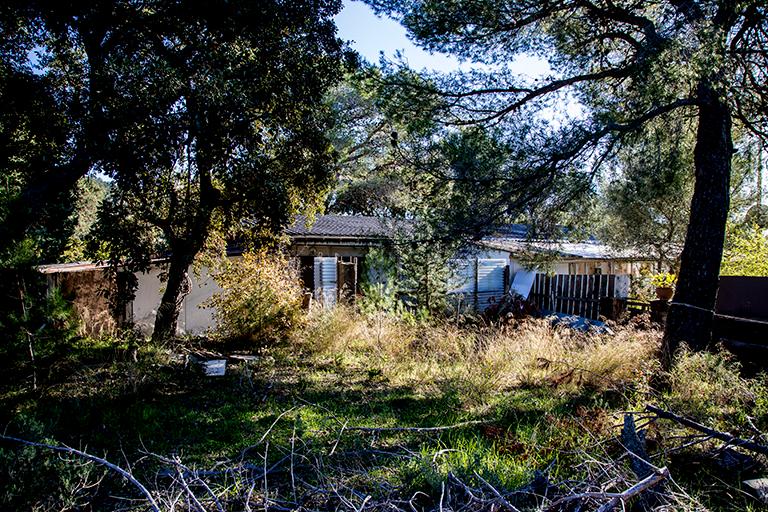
pixel 626 63
pixel 227 134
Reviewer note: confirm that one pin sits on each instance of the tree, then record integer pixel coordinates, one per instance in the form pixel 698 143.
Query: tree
pixel 374 169
pixel 646 207
pixel 627 63
pixel 746 251
pixel 33 137
pixel 228 138
pixel 90 192
pixel 56 81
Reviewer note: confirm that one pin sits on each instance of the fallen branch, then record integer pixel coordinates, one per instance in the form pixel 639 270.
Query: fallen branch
pixel 65 449
pixel 414 429
pixel 723 436
pixel 639 487
pixel 616 498
pixel 497 493
pixel 181 471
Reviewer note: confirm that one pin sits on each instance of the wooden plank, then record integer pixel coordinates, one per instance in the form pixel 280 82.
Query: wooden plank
pixel 563 291
pixel 594 294
pixel 577 293
pixel 571 287
pixel 552 293
pixel 548 291
pixel 596 291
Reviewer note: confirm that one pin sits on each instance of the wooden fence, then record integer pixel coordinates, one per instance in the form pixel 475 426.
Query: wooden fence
pixel 577 294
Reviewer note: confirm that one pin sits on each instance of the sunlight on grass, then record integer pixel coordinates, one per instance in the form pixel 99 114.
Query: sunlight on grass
pixel 480 361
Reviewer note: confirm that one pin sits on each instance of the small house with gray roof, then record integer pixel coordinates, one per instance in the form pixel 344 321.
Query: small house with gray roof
pixel 330 251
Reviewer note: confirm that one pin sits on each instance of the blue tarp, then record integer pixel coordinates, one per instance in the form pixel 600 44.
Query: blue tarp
pixel 577 322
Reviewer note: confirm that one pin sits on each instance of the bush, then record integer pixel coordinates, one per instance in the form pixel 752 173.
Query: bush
pixel 746 252
pixel 260 299
pixel 40 480
pixel 710 388
pixel 33 318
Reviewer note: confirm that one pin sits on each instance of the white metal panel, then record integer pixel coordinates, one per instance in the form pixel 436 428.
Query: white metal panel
pixel 490 282
pixel 522 282
pixel 325 280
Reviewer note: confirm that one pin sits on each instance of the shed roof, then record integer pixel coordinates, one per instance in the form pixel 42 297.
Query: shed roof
pixel 342 226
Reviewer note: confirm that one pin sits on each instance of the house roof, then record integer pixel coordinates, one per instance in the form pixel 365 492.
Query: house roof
pixel 80 266
pixel 342 226
pixel 512 238
pixel 591 249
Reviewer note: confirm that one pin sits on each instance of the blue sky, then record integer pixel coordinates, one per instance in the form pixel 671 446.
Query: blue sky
pixel 370 35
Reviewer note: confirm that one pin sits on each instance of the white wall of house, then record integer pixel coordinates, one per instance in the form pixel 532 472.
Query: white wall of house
pixel 193 318
pixel 484 289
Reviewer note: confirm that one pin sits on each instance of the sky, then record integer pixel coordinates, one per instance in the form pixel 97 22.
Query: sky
pixel 370 35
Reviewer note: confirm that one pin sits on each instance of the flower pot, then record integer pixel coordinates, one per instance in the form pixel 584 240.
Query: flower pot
pixel 664 292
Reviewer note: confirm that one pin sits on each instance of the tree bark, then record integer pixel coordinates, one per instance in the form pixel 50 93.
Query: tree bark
pixel 692 308
pixel 183 252
pixel 175 290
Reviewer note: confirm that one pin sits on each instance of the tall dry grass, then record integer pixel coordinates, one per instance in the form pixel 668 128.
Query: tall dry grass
pixel 479 359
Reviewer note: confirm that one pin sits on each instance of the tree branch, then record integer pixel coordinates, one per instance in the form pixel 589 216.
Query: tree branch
pixel 723 436
pixel 65 449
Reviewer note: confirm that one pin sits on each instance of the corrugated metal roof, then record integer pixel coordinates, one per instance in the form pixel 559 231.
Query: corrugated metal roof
pixel 80 266
pixel 577 250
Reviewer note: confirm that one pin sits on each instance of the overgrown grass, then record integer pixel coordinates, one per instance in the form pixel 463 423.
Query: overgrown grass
pixel 547 399
pixel 481 361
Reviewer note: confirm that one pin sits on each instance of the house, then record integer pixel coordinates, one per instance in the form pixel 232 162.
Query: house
pixel 330 252
pixel 564 256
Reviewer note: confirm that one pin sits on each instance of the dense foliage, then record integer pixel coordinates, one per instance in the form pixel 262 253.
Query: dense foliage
pixel 647 207
pixel 746 252
pixel 260 298
pixel 232 142
pixel 627 64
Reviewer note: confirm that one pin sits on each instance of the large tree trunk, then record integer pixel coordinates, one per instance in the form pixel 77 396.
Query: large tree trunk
pixel 692 309
pixel 183 253
pixel 175 290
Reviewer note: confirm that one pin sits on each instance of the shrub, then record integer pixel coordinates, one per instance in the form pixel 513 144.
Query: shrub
pixel 709 387
pixel 260 299
pixel 664 280
pixel 746 252
pixel 34 479
pixel 33 319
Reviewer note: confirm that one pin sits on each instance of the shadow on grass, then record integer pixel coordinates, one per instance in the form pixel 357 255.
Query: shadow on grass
pixel 95 399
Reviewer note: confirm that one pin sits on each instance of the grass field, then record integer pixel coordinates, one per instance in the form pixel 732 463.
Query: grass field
pixel 536 400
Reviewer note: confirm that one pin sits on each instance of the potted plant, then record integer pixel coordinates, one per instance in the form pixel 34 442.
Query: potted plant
pixel 665 285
